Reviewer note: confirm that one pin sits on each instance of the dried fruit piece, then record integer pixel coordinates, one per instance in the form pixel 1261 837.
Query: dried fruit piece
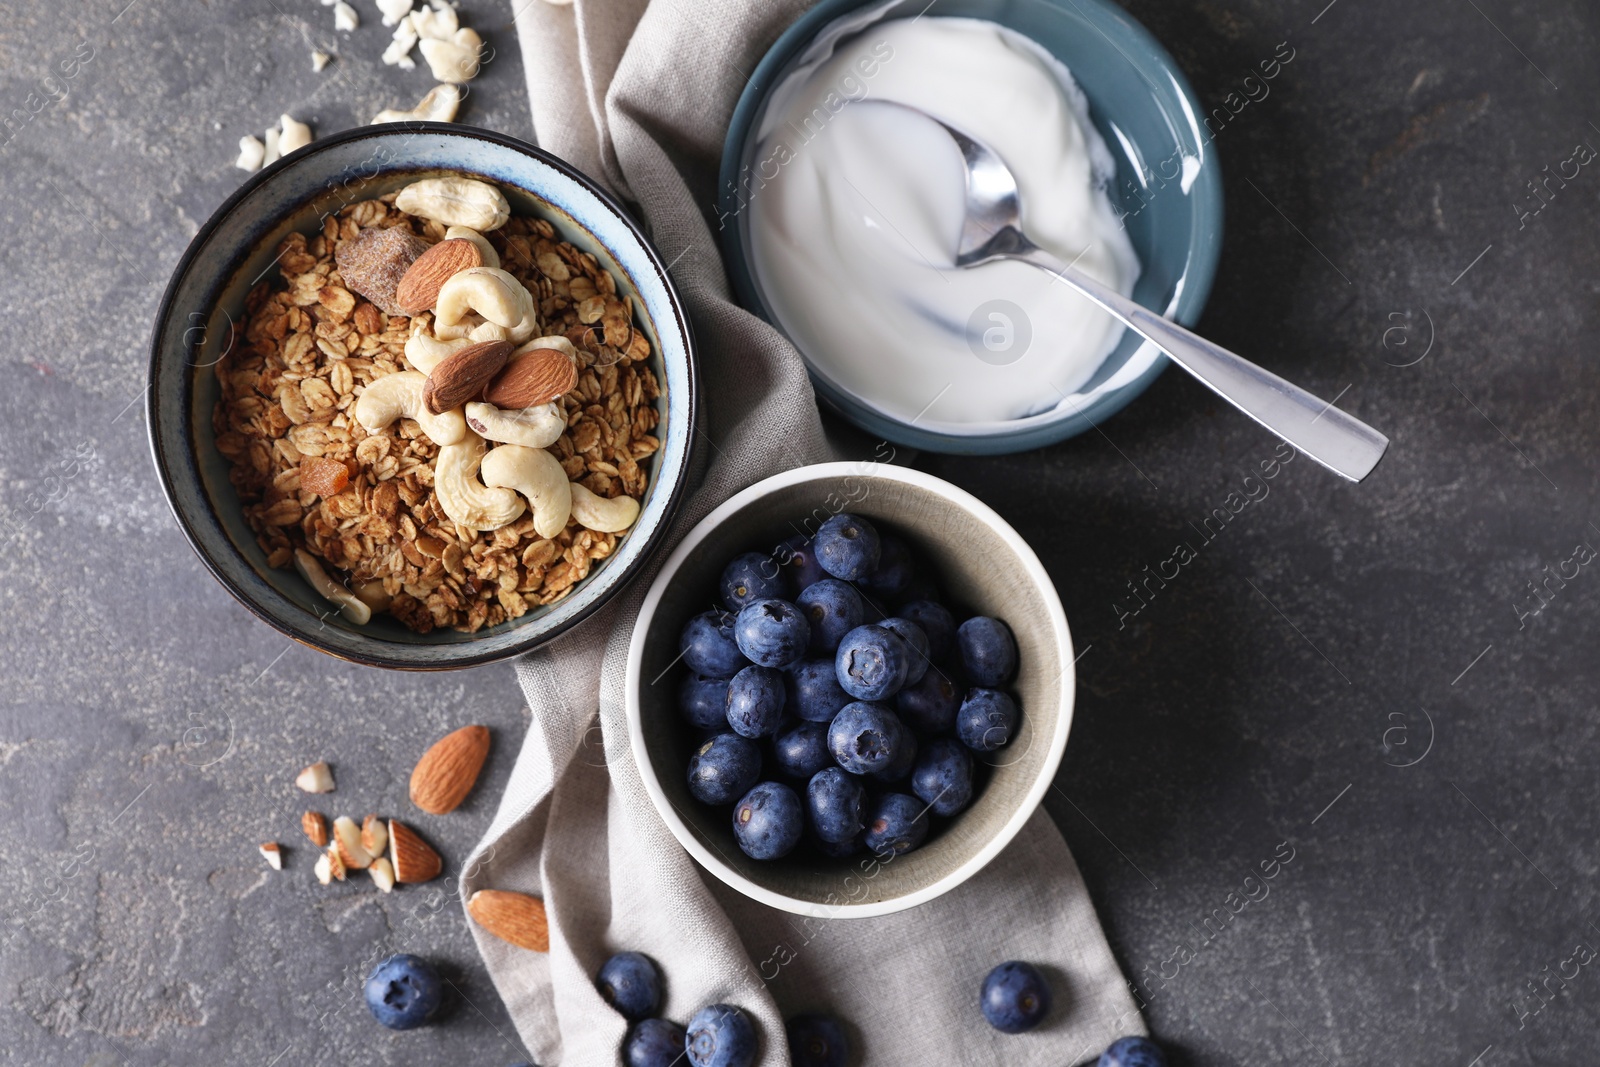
pixel 414 860
pixel 515 918
pixel 347 843
pixel 273 855
pixel 322 476
pixel 536 377
pixel 374 836
pixel 316 828
pixel 459 377
pixel 375 261
pixel 382 872
pixel 446 772
pixel 316 778
pixel 418 291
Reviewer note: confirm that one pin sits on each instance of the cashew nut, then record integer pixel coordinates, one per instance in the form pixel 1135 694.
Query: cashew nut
pixel 491 258
pixel 602 514
pixel 296 135
pixel 456 202
pixel 399 395
pixel 454 60
pixel 466 500
pixel 440 105
pixel 537 475
pixel 537 427
pixel 425 352
pixel 350 606
pixel 492 293
pixel 556 341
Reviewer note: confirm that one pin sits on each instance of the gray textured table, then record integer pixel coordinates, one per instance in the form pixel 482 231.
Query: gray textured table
pixel 1361 678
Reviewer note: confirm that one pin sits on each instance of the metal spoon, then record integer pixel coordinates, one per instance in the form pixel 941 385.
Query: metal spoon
pixel 993 230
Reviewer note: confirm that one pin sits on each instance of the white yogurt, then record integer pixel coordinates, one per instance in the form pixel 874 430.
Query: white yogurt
pixel 856 212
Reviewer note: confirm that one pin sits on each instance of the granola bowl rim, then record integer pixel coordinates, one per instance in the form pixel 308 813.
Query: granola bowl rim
pixel 176 440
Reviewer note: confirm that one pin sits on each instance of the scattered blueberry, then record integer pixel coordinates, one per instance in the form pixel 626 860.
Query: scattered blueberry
pixel 918 660
pixel 837 804
pixel 896 824
pixel 403 992
pixel 751 577
pixel 1133 1052
pixel 930 705
pixel 872 663
pixel 847 547
pixel 817 1041
pixel 942 777
pixel 654 1043
pixel 708 646
pixel 986 720
pixel 1015 997
pixel 936 622
pixel 801 750
pixel 724 768
pixel 988 651
pixel 720 1036
pixel 772 632
pixel 893 573
pixel 899 767
pixel 832 609
pixel 865 738
pixel 800 562
pixel 755 701
pixel 704 701
pixel 768 822
pixel 630 982
pixel 814 693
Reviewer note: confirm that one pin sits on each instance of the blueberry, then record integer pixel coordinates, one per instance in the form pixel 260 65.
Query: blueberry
pixel 768 822
pixel 817 1041
pixel 893 572
pixel 988 651
pixel 930 705
pixel 837 804
pixel 630 982
pixel 750 577
pixel 813 690
pixel 802 750
pixel 654 1043
pixel 865 738
pixel 936 622
pixel 905 757
pixel 772 632
pixel 800 562
pixel 403 992
pixel 872 663
pixel 942 777
pixel 1015 997
pixel 896 824
pixel 704 701
pixel 708 646
pixel 832 608
pixel 1132 1052
pixel 724 768
pixel 755 701
pixel 916 641
pixel 847 547
pixel 987 719
pixel 720 1036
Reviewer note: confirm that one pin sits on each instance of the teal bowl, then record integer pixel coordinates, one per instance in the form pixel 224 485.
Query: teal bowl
pixel 195 328
pixel 1168 187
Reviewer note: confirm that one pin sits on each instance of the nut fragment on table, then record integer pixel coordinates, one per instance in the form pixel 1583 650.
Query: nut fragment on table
pixel 317 778
pixel 273 855
pixel 315 827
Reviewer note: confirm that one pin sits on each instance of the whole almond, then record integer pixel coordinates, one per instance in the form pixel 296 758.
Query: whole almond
pixel 418 290
pixel 515 918
pixel 413 859
pixel 536 377
pixel 461 376
pixel 316 828
pixel 446 772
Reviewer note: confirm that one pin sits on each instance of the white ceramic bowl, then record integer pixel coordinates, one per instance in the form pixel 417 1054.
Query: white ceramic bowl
pixel 981 565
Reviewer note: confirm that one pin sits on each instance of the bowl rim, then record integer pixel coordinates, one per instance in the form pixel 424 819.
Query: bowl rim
pixel 1034 431
pixel 456 656
pixel 1031 799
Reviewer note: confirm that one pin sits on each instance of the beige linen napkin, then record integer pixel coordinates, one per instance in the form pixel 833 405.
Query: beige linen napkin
pixel 638 93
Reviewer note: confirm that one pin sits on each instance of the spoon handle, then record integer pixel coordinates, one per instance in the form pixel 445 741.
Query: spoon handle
pixel 1339 441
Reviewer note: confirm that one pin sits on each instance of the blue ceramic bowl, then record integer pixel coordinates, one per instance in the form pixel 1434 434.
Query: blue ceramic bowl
pixel 1168 183
pixel 194 328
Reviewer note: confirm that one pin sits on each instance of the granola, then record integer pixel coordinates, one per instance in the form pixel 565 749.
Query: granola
pixel 286 421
